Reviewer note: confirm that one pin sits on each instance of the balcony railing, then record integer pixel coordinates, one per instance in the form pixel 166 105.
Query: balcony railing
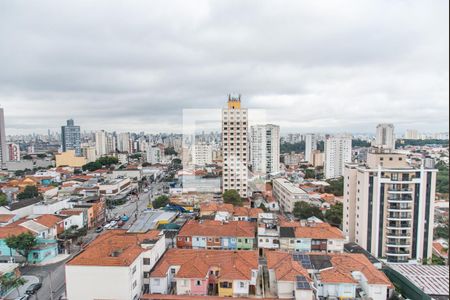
pixel 398 234
pixel 397 252
pixel 397 243
pixel 399 216
pixel 405 225
pixel 400 207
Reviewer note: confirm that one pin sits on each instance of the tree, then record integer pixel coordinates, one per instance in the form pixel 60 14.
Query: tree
pixel 335 214
pixel 8 282
pixel 170 151
pixel 161 201
pixel 309 173
pixel 304 210
pixel 232 197
pixel 41 155
pixel 108 160
pixel 3 199
pixel 92 166
pixel 29 192
pixel 336 186
pixel 27 157
pixel 441 232
pixel 442 180
pixel 22 243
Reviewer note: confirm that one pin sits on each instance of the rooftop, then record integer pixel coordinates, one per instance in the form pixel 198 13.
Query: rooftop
pixel 292 188
pixel 219 229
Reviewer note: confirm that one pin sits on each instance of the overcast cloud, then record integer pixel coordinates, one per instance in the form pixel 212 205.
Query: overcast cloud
pixel 135 65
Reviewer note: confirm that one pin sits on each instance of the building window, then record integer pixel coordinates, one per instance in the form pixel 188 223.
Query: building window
pixel 157 282
pixel 198 283
pixel 134 270
pixel 172 271
pixel 241 285
pixel 134 284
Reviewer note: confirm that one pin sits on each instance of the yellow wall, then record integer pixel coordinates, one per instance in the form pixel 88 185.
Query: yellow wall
pixel 69 159
pixel 225 292
pixel 232 104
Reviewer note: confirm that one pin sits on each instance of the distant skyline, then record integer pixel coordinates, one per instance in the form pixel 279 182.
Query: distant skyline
pixel 316 66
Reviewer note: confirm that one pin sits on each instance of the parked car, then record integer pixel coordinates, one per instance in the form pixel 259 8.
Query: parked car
pixel 99 229
pixel 120 223
pixel 113 223
pixel 32 289
pixel 107 226
pixel 117 219
pixel 125 218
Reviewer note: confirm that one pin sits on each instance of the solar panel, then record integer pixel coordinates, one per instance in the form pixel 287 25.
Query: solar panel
pixel 302 283
pixel 304 260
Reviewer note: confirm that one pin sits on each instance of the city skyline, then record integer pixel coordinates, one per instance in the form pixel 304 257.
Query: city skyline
pixel 140 73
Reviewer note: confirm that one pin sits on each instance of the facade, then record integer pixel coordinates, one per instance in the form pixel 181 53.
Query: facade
pixel 124 142
pixel 70 159
pixel 154 155
pixel 115 256
pixel 89 153
pixel 287 194
pixel 385 136
pixel 206 273
pixel 389 207
pixel 318 159
pixel 312 237
pixel 71 138
pixel 412 134
pixel 3 147
pixel 265 148
pixel 338 152
pixel 13 152
pixel 310 146
pixel 234 235
pixel 101 143
pixel 235 147
pixel 202 154
pixel 114 187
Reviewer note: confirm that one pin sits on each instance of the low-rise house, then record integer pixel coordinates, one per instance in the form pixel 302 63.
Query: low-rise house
pixel 6 219
pixel 206 272
pixel 287 194
pixel 96 210
pixel 207 234
pixel 74 217
pixel 211 209
pixel 246 214
pixel 312 237
pixel 347 276
pixel 116 265
pixel 22 208
pixel 288 279
pixel 268 232
pixel 115 187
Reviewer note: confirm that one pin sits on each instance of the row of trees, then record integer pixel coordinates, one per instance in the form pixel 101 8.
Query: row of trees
pixel 442 180
pixel 105 161
pixel 304 210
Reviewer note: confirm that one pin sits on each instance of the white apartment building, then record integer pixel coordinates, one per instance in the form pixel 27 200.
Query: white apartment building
pixel 101 143
pixel 265 148
pixel 310 146
pixel 203 154
pixel 116 265
pixel 389 207
pixel 287 194
pixel 338 152
pixel 13 152
pixel 235 146
pixel 154 155
pixel 385 136
pixel 412 134
pixel 111 143
pixel 90 153
pixel 124 142
pixel 3 147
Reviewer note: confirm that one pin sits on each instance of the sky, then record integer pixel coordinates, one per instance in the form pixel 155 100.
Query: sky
pixel 314 66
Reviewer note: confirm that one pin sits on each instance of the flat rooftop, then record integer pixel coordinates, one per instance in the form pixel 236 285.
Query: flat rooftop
pixel 150 220
pixel 293 189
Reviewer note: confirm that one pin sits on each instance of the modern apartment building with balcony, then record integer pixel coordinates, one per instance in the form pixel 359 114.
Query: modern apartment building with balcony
pixel 389 207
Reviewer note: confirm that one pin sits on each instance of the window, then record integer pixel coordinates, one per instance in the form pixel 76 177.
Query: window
pixel 198 283
pixel 241 285
pixel 172 271
pixel 157 282
pixel 146 274
pixel 147 261
pixel 134 284
pixel 134 270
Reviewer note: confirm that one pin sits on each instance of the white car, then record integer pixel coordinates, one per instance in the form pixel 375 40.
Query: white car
pixel 107 226
pixel 113 223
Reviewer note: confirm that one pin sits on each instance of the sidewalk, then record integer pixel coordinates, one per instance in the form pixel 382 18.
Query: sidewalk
pixel 54 260
pixel 30 280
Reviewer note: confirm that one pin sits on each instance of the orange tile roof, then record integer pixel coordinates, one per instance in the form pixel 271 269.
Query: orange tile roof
pixel 285 268
pixel 219 229
pixel 233 265
pixel 439 248
pixel 126 245
pixel 344 264
pixel 4 218
pixel 48 220
pixel 319 231
pixel 214 207
pixel 12 230
pixel 247 212
pixel 71 212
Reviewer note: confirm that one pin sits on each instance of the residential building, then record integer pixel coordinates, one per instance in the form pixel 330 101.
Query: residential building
pixel 206 273
pixel 287 194
pixel 318 159
pixel 89 153
pixel 71 138
pixel 288 279
pixel 202 154
pixel 96 210
pixel 216 235
pixel 389 207
pixel 114 187
pixel 292 159
pixel 116 265
pixel 70 159
pixel 412 134
pixel 235 146
pixel 312 237
pixel 124 142
pixel 265 149
pixel 3 147
pixel 154 155
pixel 310 146
pixel 111 143
pixel 13 152
pixel 346 276
pixel 385 136
pixel 268 232
pixel 101 143
pixel 338 152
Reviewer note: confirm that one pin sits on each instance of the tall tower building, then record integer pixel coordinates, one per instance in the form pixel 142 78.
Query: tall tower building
pixel 13 152
pixel 338 152
pixel 389 207
pixel 100 143
pixel 310 147
pixel 124 144
pixel 3 147
pixel 235 146
pixel 412 134
pixel 385 136
pixel 71 137
pixel 265 148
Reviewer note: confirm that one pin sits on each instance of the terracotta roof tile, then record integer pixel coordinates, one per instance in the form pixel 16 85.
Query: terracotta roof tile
pixel 219 229
pixel 319 231
pixel 48 220
pixel 5 218
pixel 285 268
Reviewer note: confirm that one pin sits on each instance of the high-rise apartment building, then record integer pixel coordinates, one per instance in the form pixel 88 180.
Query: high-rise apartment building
pixel 265 148
pixel 389 207
pixel 338 152
pixel 100 143
pixel 111 143
pixel 412 134
pixel 235 146
pixel 202 154
pixel 13 152
pixel 385 136
pixel 3 147
pixel 310 147
pixel 123 143
pixel 71 137
pixel 154 154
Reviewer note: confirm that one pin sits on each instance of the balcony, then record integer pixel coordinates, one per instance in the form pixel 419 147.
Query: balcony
pixel 404 199
pixel 393 243
pixel 400 191
pixel 395 216
pixel 399 225
pixel 400 208
pixel 397 252
pixel 399 235
pixel 397 260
